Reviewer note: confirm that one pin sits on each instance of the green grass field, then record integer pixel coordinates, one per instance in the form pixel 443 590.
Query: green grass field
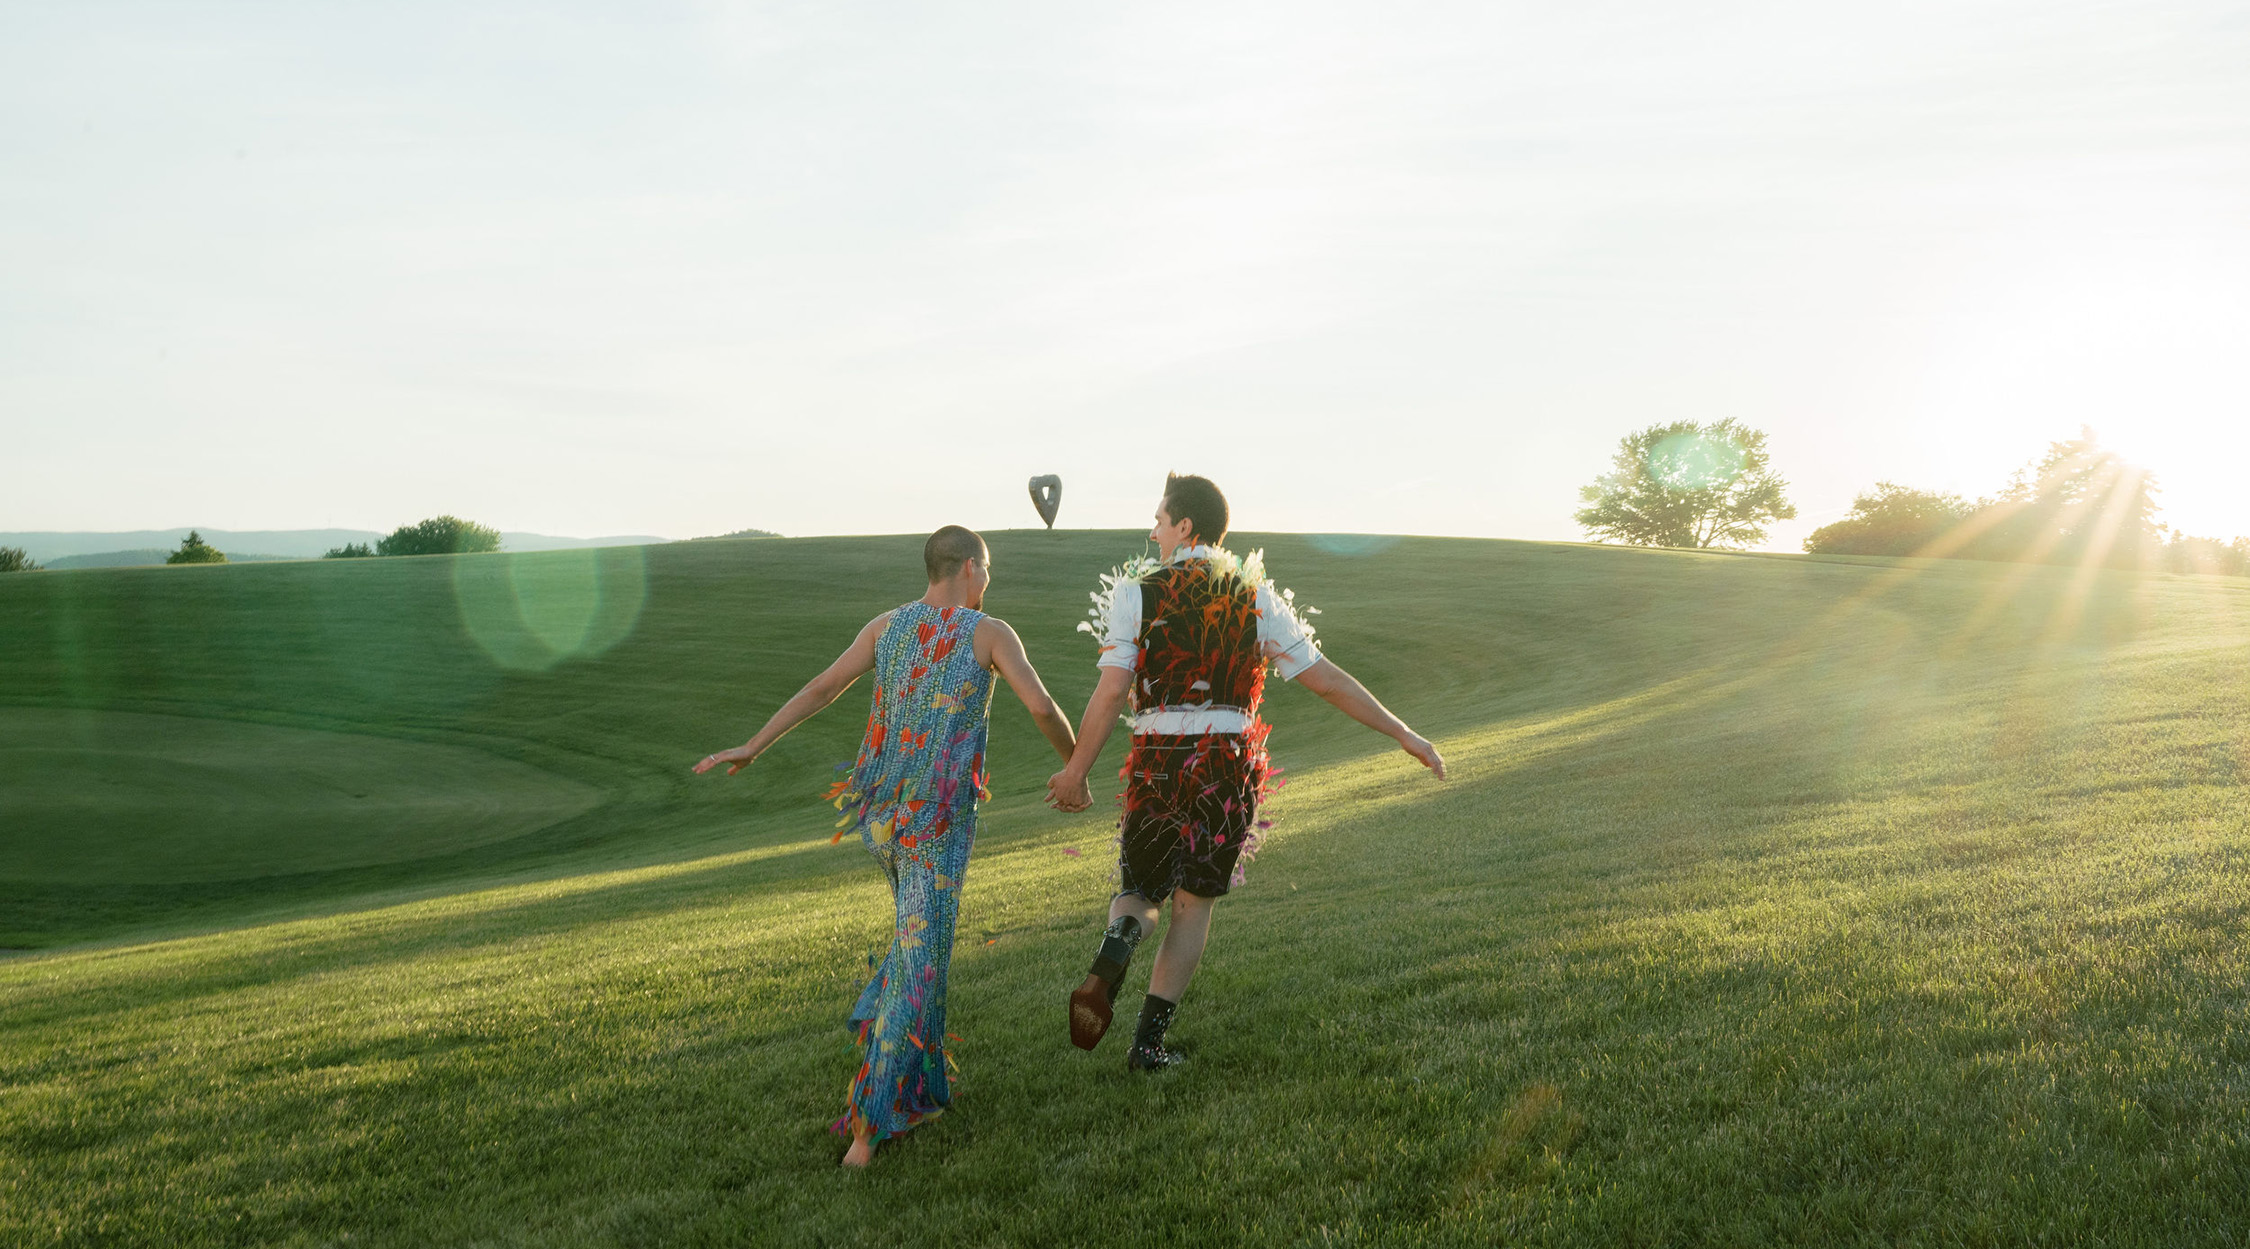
pixel 1773 900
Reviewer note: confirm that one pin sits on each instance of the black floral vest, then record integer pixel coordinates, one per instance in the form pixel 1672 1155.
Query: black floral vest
pixel 1198 640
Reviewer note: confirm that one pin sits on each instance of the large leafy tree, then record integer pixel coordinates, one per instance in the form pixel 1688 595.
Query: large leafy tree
pixel 16 559
pixel 194 550
pixel 2078 503
pixel 440 535
pixel 1891 520
pixel 1687 484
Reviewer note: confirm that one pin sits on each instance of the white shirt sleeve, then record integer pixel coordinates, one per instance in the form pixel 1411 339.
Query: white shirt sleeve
pixel 1280 636
pixel 1121 633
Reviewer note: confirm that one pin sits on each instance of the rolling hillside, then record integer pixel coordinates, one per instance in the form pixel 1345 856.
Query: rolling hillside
pixel 1774 899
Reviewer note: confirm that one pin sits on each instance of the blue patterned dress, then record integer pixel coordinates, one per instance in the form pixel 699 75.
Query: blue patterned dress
pixel 912 795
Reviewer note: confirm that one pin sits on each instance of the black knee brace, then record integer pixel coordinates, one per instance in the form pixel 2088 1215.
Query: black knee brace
pixel 1118 942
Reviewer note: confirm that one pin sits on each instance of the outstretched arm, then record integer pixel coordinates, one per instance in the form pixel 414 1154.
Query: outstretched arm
pixel 857 661
pixel 1005 654
pixel 1344 692
pixel 1068 789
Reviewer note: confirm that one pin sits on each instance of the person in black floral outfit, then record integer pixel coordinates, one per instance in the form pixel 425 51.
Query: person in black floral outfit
pixel 1185 644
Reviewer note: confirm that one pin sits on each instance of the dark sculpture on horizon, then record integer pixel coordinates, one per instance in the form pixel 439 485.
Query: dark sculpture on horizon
pixel 1046 495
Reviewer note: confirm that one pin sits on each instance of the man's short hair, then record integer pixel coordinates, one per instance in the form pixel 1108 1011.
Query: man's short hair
pixel 948 549
pixel 1198 502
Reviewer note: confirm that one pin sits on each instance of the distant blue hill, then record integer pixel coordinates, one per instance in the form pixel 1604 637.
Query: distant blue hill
pixel 145 556
pixel 50 547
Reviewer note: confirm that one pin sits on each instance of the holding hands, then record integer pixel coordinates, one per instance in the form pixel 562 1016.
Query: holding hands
pixel 1068 792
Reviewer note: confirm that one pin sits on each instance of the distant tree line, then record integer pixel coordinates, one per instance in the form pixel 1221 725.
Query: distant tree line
pixel 192 550
pixel 439 535
pixel 2079 503
pixel 1712 485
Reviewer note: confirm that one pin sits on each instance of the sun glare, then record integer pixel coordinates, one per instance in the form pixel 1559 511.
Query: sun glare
pixel 2129 333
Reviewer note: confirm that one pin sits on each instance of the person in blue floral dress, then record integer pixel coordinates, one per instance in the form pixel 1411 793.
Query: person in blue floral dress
pixel 912 796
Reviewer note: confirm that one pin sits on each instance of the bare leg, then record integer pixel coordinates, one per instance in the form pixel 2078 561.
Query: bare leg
pixel 862 1151
pixel 1182 947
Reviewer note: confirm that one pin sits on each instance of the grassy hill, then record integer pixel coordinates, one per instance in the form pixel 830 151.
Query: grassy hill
pixel 1773 899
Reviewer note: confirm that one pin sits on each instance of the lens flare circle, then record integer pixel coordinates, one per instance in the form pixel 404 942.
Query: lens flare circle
pixel 530 612
pixel 1695 461
pixel 1352 544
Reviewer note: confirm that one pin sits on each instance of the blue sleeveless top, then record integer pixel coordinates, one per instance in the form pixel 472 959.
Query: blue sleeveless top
pixel 920 768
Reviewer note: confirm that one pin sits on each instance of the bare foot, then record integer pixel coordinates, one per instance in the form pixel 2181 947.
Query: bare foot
pixel 861 1153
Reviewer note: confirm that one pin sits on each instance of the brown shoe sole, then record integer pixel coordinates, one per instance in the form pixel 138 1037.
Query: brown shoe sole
pixel 1089 1013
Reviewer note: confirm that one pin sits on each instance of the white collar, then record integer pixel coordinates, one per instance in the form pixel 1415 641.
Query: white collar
pixel 1200 550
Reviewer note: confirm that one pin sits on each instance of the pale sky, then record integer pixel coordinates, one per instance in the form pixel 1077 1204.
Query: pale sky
pixel 838 267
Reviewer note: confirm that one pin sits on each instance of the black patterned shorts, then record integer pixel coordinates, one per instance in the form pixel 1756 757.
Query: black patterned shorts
pixel 1189 806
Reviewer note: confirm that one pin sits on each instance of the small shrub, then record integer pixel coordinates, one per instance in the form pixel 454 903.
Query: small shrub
pixel 1891 520
pixel 350 550
pixel 16 559
pixel 440 535
pixel 194 550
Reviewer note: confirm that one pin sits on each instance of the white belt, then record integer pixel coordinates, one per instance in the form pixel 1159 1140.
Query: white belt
pixel 1191 721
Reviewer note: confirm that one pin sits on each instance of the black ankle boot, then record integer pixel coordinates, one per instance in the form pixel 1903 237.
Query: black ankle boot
pixel 1091 1003
pixel 1148 1052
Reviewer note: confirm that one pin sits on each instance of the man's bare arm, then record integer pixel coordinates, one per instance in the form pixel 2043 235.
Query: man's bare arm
pixel 1068 789
pixel 857 661
pixel 1005 655
pixel 1344 692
